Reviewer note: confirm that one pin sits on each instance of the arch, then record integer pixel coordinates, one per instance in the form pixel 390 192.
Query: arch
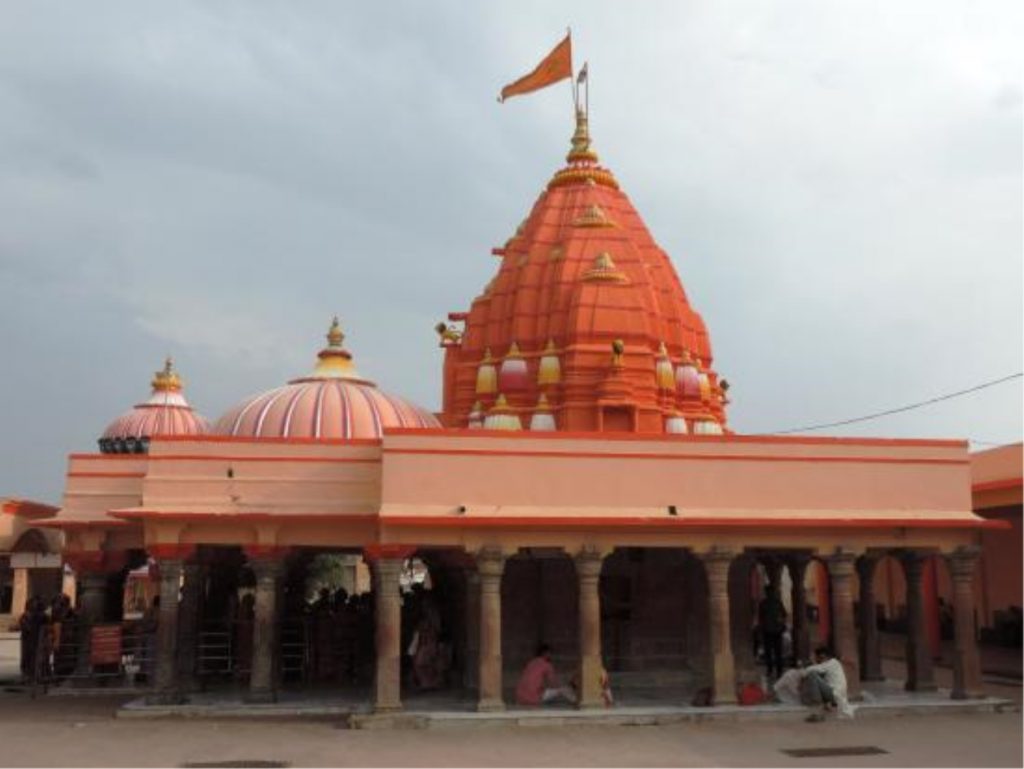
pixel 539 604
pixel 32 541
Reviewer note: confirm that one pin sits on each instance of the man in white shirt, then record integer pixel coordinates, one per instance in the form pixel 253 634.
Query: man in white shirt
pixel 828 679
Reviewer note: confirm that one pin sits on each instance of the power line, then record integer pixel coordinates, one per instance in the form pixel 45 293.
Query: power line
pixel 901 409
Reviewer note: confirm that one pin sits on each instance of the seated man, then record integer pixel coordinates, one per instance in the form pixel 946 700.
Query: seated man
pixel 538 683
pixel 826 681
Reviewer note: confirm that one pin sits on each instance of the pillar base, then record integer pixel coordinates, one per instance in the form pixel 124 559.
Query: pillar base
pixel 490 706
pixel 925 687
pixel 966 695
pixel 261 696
pixel 387 709
pixel 166 698
pixel 590 684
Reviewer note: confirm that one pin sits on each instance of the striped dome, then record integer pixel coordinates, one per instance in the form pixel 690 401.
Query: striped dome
pixel 332 402
pixel 165 413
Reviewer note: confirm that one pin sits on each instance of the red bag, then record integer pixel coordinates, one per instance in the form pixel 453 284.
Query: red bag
pixel 751 694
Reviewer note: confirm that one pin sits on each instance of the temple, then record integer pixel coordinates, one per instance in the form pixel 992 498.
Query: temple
pixel 581 487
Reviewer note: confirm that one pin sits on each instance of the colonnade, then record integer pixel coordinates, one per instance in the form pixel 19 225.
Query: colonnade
pixel 855 643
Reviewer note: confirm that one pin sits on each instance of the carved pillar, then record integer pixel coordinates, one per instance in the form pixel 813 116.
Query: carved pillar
pixel 716 565
pixel 966 663
pixel 840 567
pixel 741 621
pixel 490 564
pixel 869 641
pixel 166 689
pixel 471 668
pixel 188 625
pixel 920 675
pixel 387 595
pixel 268 568
pixel 92 598
pixel 588 572
pixel 798 599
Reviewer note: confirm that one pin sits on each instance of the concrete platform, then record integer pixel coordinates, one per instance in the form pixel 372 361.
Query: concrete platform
pixel 441 713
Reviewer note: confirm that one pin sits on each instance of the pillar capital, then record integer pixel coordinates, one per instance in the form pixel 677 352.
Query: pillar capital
pixel 387 550
pixel 962 563
pixel 490 562
pixel 264 553
pixel 841 564
pixel 588 562
pixel 98 562
pixel 172 551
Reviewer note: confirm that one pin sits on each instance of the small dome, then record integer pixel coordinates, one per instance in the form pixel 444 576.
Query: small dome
pixel 165 413
pixel 332 402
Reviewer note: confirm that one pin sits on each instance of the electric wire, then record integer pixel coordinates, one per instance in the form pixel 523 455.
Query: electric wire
pixel 901 409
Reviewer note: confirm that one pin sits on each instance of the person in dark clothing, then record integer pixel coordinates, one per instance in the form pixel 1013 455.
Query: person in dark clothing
pixel 771 619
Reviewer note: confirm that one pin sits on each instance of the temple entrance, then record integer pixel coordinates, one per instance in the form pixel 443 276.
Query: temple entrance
pixel 436 643
pixel 653 612
pixel 539 605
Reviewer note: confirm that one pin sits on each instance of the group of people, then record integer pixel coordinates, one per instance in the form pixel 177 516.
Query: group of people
pixel 46 634
pixel 821 684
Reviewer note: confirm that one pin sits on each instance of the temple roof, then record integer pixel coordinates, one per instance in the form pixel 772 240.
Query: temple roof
pixel 332 401
pixel 165 413
pixel 580 272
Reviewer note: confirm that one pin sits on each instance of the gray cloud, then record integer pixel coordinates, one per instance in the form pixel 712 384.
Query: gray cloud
pixel 839 186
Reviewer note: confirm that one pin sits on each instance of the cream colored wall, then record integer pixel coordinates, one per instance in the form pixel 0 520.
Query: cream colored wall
pixel 219 490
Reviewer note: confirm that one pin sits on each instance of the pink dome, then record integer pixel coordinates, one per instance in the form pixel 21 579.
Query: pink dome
pixel 332 402
pixel 165 413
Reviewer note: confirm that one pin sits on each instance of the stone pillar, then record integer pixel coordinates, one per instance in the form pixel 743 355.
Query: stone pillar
pixel 167 689
pixel 840 568
pixel 920 675
pixel 798 603
pixel 188 626
pixel 588 572
pixel 741 619
pixel 471 668
pixel 869 641
pixel 716 565
pixel 490 564
pixel 387 597
pixel 267 567
pixel 966 663
pixel 19 595
pixel 92 598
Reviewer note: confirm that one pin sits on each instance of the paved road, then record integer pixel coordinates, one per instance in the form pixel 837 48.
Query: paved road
pixel 83 732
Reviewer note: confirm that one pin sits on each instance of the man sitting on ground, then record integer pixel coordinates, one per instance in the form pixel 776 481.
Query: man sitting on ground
pixel 826 682
pixel 538 684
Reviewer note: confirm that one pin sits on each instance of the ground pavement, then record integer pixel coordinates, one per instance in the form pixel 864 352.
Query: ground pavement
pixel 83 732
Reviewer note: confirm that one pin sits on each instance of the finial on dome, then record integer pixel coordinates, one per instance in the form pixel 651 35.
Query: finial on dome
pixel 167 379
pixel 333 361
pixel 335 336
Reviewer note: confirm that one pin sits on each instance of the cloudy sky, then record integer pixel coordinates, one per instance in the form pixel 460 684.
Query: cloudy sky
pixel 839 185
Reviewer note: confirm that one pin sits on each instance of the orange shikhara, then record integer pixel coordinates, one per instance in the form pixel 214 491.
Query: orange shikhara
pixel 581 273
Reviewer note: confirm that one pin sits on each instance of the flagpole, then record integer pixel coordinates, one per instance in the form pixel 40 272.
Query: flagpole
pixel 572 80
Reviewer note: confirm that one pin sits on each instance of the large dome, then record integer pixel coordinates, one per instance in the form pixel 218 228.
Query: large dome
pixel 586 320
pixel 333 402
pixel 165 413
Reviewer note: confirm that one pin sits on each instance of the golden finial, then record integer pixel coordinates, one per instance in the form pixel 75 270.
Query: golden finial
pixel 335 337
pixel 167 378
pixel 581 140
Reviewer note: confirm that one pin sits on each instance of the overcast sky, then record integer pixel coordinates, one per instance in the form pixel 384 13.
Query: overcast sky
pixel 839 185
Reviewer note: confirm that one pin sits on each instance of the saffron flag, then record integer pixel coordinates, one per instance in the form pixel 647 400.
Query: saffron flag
pixel 556 66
